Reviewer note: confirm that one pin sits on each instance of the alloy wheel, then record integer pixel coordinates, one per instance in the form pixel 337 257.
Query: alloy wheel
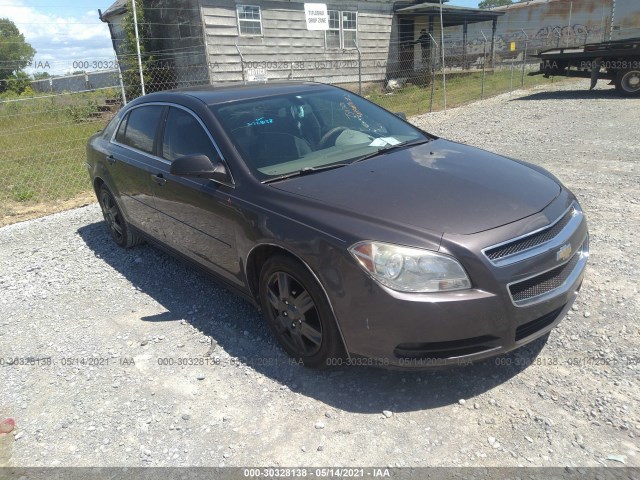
pixel 296 317
pixel 112 215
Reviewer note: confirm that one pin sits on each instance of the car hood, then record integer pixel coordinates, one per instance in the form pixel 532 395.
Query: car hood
pixel 440 186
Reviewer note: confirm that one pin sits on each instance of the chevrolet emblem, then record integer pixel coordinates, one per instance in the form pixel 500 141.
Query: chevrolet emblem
pixel 564 253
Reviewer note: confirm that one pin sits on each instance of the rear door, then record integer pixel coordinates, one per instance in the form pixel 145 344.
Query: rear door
pixel 197 214
pixel 132 163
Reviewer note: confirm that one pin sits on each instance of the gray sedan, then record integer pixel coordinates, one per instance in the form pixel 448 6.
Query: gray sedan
pixel 362 238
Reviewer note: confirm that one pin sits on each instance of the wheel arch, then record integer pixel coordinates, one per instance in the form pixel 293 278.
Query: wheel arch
pixel 97 183
pixel 257 257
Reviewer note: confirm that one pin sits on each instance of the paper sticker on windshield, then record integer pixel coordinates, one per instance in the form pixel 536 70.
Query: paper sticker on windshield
pixel 382 141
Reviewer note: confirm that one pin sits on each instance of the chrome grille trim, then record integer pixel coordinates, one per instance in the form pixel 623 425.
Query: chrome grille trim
pixel 537 242
pixel 549 286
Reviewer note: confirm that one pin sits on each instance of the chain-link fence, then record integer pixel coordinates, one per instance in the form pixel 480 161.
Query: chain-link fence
pixel 44 131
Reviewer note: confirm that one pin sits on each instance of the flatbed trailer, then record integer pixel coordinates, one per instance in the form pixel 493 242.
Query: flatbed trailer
pixel 618 61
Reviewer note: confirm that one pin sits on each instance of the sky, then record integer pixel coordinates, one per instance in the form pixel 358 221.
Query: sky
pixel 72 37
pixel 64 36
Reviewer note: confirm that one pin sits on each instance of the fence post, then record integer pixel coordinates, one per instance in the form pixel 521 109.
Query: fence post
pixel 444 73
pixel 359 68
pixel 513 62
pixel 524 55
pixel 241 62
pixel 484 63
pixel 570 18
pixel 135 25
pixel 433 72
pixel 124 95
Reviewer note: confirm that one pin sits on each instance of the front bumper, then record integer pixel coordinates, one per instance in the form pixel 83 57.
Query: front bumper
pixel 396 329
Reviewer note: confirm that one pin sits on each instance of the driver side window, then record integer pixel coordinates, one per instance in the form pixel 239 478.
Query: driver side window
pixel 183 135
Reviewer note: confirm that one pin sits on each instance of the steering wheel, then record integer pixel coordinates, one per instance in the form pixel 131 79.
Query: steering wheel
pixel 329 138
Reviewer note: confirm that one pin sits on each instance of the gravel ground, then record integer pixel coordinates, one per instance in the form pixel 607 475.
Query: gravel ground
pixel 101 321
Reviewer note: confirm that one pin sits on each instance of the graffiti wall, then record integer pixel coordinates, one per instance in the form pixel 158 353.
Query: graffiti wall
pixel 544 24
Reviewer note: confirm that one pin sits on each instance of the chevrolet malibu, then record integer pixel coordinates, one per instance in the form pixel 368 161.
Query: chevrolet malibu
pixel 360 237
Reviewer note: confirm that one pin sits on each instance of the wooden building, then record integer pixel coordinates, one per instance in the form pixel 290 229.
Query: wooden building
pixel 234 40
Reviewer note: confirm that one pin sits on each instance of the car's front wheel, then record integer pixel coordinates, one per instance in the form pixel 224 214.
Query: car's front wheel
pixel 118 227
pixel 298 313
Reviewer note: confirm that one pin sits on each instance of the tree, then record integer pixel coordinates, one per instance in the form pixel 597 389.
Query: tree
pixel 494 3
pixel 41 75
pixel 15 52
pixel 18 82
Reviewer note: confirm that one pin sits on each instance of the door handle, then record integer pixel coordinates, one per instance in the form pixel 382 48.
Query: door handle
pixel 111 159
pixel 159 179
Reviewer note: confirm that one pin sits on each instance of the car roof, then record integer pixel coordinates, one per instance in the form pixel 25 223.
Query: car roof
pixel 226 92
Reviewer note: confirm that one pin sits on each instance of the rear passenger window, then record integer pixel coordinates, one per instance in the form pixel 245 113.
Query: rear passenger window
pixel 141 127
pixel 183 135
pixel 121 129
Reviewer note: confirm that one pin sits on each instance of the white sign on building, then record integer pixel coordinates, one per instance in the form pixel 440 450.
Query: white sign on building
pixel 317 16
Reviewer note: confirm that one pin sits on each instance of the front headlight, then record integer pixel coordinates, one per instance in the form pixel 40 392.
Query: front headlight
pixel 410 269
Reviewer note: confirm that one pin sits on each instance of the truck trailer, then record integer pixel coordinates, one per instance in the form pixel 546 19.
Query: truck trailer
pixel 617 61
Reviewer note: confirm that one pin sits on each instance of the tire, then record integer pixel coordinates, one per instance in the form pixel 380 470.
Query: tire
pixel 298 313
pixel 628 82
pixel 118 227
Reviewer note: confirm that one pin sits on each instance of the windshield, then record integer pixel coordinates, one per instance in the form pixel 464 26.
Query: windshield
pixel 298 132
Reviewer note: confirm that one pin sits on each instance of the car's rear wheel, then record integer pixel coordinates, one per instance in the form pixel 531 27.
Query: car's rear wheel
pixel 118 227
pixel 628 82
pixel 298 313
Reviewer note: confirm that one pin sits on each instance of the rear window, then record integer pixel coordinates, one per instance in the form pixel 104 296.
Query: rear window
pixel 107 133
pixel 122 129
pixel 142 124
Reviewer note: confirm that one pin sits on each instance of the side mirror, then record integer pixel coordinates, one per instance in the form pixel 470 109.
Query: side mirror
pixel 199 166
pixel 402 115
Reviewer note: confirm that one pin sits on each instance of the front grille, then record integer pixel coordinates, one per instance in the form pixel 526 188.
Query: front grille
pixel 544 283
pixel 444 350
pixel 533 240
pixel 528 329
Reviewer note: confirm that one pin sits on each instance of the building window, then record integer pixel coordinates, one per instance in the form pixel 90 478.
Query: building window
pixel 343 30
pixel 349 29
pixel 332 35
pixel 249 20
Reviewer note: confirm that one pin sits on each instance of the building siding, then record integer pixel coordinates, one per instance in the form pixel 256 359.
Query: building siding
pixel 288 50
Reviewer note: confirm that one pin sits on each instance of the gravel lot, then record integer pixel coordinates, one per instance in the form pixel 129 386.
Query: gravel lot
pixel 107 318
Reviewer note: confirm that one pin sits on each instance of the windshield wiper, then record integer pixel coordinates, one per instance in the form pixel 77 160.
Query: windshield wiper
pixel 388 148
pixel 305 171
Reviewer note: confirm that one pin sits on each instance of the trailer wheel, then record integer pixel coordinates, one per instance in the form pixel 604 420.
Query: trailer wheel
pixel 628 82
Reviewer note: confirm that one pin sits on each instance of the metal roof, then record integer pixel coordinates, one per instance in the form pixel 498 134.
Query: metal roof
pixel 452 15
pixel 118 7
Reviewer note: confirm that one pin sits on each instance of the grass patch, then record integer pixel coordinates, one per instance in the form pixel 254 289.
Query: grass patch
pixel 43 146
pixel 462 88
